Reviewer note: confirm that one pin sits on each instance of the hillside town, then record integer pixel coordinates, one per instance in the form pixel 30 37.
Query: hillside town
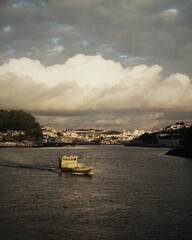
pixel 88 136
pixel 169 136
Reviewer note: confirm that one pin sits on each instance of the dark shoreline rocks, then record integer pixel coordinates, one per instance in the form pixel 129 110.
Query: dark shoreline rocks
pixel 180 152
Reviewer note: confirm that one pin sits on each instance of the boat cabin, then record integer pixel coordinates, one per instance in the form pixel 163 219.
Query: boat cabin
pixel 68 161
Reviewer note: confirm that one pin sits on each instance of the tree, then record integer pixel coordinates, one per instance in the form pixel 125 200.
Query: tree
pixel 4 119
pixel 20 121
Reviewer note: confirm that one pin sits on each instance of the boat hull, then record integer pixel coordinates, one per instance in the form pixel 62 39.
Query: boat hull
pixel 81 171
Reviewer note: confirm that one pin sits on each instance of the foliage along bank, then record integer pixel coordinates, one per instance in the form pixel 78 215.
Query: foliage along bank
pixel 18 120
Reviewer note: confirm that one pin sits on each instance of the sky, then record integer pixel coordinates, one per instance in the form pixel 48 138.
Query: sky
pixel 105 64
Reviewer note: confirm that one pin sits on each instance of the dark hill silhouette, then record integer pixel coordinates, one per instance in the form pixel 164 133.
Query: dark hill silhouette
pixel 186 149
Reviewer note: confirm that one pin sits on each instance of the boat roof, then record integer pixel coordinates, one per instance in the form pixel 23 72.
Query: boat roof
pixel 70 157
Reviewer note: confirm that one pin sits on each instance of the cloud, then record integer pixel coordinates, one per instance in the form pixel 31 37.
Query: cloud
pixel 111 62
pixel 157 31
pixel 7 29
pixel 89 71
pixel 171 12
pixel 87 86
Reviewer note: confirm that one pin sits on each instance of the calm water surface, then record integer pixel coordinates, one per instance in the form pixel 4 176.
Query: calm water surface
pixel 135 193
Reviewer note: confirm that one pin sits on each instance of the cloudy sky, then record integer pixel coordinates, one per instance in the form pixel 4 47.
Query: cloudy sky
pixel 110 64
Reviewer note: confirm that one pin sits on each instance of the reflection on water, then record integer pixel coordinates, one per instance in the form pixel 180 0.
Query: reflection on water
pixel 135 193
pixel 69 175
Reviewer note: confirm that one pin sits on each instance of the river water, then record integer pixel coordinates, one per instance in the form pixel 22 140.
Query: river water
pixel 135 193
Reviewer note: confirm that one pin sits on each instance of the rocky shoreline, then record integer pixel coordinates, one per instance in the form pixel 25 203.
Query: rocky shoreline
pixel 181 152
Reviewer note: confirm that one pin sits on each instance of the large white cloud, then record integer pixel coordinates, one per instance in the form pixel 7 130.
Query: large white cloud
pixel 86 71
pixel 89 84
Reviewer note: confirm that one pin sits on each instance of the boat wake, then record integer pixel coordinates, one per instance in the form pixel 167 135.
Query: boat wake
pixel 40 168
pixel 80 174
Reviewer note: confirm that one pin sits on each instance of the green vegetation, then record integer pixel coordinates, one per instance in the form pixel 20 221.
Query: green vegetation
pixel 20 121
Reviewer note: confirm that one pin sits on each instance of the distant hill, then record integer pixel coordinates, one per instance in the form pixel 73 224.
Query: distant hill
pixel 18 120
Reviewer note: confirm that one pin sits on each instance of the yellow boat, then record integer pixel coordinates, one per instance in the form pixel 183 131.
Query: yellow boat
pixel 69 164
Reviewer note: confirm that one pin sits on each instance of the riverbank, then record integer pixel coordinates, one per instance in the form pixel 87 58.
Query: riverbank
pixel 180 152
pixel 31 144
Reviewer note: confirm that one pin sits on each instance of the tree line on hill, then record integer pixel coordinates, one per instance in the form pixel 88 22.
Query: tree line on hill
pixel 18 120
